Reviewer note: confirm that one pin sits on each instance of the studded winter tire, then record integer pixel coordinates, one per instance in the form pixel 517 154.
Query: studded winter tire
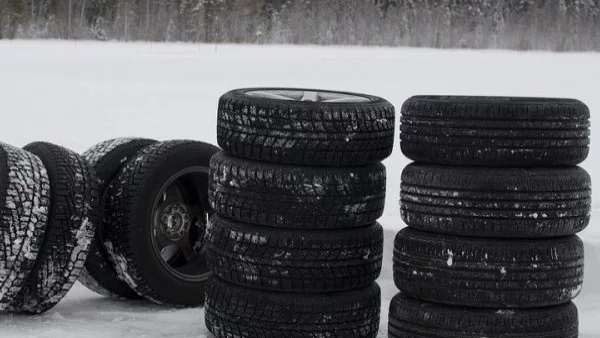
pixel 106 158
pixel 488 273
pixel 495 131
pixel 305 126
pixel 287 196
pixel 24 207
pixel 294 260
pixel 509 202
pixel 235 311
pixel 157 209
pixel 70 229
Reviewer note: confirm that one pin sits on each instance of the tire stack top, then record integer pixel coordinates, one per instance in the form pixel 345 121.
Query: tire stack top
pixel 493 204
pixel 294 244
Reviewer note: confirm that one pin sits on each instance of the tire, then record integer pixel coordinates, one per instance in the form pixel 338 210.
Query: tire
pixel 488 273
pixel 417 319
pixel 129 239
pixel 294 260
pixel 106 158
pixel 509 203
pixel 296 197
pixel 24 203
pixel 70 230
pixel 234 311
pixel 305 133
pixel 495 131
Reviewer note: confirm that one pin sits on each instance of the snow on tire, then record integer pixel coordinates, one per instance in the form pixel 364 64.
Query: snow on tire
pixel 484 202
pixel 495 131
pixel 488 273
pixel 294 260
pixel 235 311
pixel 106 158
pixel 417 319
pixel 136 223
pixel 69 232
pixel 303 197
pixel 24 203
pixel 305 126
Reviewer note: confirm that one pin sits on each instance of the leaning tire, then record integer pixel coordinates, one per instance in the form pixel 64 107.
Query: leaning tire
pixel 234 311
pixel 296 197
pixel 287 130
pixel 417 319
pixel 510 203
pixel 24 204
pixel 488 273
pixel 495 131
pixel 294 260
pixel 131 238
pixel 69 233
pixel 106 158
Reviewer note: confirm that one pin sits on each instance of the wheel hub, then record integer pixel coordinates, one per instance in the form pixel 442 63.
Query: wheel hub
pixel 175 221
pixel 307 96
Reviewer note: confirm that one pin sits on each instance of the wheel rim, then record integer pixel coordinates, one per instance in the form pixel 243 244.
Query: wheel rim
pixel 178 224
pixel 307 95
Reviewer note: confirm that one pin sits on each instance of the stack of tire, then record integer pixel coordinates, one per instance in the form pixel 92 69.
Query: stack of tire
pixel 150 238
pixel 493 204
pixel 48 199
pixel 297 190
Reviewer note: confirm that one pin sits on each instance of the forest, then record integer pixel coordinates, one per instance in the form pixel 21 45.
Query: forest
pixel 561 25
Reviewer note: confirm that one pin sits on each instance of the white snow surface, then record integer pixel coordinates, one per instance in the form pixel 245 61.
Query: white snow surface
pixel 80 93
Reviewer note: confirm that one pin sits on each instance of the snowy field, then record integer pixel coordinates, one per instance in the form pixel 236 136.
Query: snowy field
pixel 79 93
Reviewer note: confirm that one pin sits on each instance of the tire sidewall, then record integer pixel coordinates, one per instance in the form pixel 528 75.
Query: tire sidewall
pixel 149 262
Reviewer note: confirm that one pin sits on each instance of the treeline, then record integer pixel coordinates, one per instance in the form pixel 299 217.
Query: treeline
pixel 513 24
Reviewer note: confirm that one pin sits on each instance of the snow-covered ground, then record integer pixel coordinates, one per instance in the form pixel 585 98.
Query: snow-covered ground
pixel 79 93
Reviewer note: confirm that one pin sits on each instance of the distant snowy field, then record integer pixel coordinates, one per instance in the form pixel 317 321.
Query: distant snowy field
pixel 79 93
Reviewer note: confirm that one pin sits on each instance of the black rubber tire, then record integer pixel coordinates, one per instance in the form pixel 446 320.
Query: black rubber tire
pixel 294 260
pixel 24 204
pixel 495 131
pixel 305 133
pixel 129 202
pixel 70 230
pixel 485 202
pixel 107 158
pixel 417 319
pixel 296 197
pixel 488 273
pixel 234 311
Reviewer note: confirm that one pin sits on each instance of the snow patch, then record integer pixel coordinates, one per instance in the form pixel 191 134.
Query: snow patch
pixel 121 265
pixel 96 152
pixel 450 260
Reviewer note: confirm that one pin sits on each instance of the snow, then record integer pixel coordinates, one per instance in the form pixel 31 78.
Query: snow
pixel 450 260
pixel 80 93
